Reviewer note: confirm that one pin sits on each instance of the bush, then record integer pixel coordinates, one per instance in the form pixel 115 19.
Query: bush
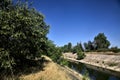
pixel 115 49
pixel 53 52
pixel 102 50
pixel 112 64
pixel 80 54
pixel 63 62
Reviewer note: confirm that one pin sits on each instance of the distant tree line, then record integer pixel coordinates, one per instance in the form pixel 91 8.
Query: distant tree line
pixel 74 49
pixel 70 48
pixel 100 43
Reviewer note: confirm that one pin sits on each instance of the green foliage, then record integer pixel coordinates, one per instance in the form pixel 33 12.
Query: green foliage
pixel 101 41
pixel 80 54
pixel 53 52
pixel 102 50
pixel 115 49
pixel 22 34
pixel 77 47
pixel 86 76
pixel 5 59
pixel 70 48
pixel 63 62
pixel 86 46
pixel 112 64
pixel 90 46
pixel 67 47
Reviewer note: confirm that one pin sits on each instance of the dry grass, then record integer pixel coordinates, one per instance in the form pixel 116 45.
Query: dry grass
pixel 51 71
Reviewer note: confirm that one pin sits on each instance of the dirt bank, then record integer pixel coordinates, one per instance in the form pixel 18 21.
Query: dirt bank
pixel 52 71
pixel 104 60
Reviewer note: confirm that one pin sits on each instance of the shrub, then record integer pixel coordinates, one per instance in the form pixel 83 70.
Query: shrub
pixel 115 49
pixel 80 54
pixel 86 76
pixel 53 52
pixel 63 62
pixel 112 64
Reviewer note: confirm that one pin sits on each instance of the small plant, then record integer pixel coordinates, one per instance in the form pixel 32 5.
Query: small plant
pixel 112 64
pixel 63 62
pixel 86 76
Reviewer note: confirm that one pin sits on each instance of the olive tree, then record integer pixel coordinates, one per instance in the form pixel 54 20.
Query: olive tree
pixel 22 34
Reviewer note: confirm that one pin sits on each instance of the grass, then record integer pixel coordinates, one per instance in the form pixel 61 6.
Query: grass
pixel 86 76
pixel 51 71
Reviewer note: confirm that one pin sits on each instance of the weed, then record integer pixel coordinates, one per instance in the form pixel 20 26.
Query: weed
pixel 112 64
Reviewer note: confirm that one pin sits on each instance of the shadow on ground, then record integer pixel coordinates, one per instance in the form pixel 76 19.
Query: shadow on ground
pixel 30 66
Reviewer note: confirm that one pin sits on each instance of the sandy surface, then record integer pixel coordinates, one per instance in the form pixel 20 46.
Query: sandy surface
pixel 111 62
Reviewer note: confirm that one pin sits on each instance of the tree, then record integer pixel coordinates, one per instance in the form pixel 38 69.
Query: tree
pixel 89 46
pixel 4 4
pixel 22 34
pixel 53 52
pixel 101 41
pixel 77 47
pixel 80 54
pixel 86 46
pixel 65 48
pixel 69 47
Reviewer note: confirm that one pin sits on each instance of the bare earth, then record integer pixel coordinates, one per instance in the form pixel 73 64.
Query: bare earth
pixel 104 60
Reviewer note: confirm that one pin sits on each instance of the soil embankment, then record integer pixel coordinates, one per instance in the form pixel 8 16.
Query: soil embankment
pixel 52 71
pixel 109 62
